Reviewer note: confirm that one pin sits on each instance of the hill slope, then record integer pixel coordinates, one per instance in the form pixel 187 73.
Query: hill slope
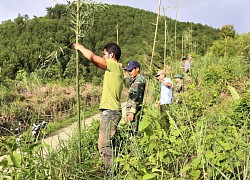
pixel 44 44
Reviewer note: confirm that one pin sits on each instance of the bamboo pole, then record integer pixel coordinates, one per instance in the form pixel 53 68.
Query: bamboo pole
pixel 175 31
pixel 117 33
pixel 191 39
pixel 165 43
pixel 182 46
pixel 77 76
pixel 156 30
pixel 152 56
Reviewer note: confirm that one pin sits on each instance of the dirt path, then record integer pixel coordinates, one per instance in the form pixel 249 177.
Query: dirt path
pixel 65 134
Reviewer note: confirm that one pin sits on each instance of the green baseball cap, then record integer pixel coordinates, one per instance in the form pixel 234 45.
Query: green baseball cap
pixel 178 76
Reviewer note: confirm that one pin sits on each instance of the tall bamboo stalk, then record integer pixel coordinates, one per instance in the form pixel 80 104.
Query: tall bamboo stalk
pixel 153 49
pixel 225 49
pixel 156 30
pixel 191 38
pixel 182 46
pixel 117 33
pixel 165 43
pixel 175 31
pixel 77 76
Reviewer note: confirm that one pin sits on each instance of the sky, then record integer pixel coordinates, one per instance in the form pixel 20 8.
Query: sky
pixel 214 13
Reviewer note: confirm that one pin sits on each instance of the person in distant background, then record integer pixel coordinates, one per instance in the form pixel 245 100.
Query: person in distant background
pixel 136 83
pixel 110 106
pixel 190 59
pixel 178 88
pixel 186 66
pixel 166 96
pixel 179 83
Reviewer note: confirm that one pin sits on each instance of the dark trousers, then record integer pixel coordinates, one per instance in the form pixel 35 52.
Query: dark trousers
pixel 136 121
pixel 137 117
pixel 164 121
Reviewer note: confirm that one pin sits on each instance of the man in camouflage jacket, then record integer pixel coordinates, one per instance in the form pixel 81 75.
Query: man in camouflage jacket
pixel 136 84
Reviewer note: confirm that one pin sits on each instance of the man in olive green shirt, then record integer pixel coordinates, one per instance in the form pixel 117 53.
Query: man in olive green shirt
pixel 110 106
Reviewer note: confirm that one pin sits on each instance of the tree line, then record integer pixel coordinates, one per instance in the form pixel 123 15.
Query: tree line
pixel 43 44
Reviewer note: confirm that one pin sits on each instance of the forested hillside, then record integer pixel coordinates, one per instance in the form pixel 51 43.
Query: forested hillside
pixel 43 44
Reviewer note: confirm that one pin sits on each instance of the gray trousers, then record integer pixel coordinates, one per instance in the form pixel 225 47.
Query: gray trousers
pixel 107 131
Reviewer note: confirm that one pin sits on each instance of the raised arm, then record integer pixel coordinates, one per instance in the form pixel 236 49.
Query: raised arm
pixel 169 84
pixel 96 60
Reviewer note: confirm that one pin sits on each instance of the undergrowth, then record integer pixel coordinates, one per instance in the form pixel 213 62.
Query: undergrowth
pixel 208 139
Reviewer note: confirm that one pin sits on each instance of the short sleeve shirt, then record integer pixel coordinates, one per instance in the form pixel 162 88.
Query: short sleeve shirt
pixel 186 65
pixel 166 92
pixel 112 86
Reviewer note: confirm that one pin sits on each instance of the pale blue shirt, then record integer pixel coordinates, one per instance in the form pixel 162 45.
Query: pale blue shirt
pixel 166 92
pixel 186 65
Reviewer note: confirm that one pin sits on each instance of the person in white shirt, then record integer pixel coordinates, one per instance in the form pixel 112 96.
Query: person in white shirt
pixel 166 96
pixel 186 66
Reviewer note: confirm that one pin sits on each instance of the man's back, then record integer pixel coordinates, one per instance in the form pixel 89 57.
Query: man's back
pixel 112 86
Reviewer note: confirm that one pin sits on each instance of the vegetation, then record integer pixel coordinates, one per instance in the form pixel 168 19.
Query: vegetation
pixel 209 132
pixel 43 44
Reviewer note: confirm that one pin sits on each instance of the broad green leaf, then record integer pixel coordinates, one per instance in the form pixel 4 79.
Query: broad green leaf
pixel 209 154
pixel 156 170
pixel 171 121
pixel 14 159
pixel 148 176
pixel 226 146
pixel 133 161
pixel 233 92
pixel 185 169
pixel 126 167
pixel 172 139
pixel 166 160
pixel 195 174
pixel 144 124
pixel 36 148
pixel 209 137
pixel 196 162
pixel 176 133
pixel 240 154
pixel 143 170
pixel 120 160
pixel 4 163
pixel 154 137
pixel 162 154
pixel 173 151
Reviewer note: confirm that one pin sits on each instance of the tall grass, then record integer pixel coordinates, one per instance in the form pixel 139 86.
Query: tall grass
pixel 210 144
